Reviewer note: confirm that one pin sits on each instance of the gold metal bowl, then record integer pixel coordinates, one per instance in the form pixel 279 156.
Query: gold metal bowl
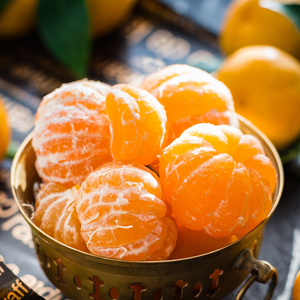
pixel 85 276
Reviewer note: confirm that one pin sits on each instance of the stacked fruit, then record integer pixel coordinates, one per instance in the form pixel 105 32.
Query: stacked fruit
pixel 95 145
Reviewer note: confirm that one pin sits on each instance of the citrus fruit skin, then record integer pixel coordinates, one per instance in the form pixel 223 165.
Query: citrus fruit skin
pixel 18 18
pixel 296 288
pixel 192 243
pixel 138 124
pixel 71 134
pixel 217 180
pixel 5 131
pixel 191 96
pixel 106 15
pixel 122 214
pixel 265 84
pixel 248 22
pixel 56 215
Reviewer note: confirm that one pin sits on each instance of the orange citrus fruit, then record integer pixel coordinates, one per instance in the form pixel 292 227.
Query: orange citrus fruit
pixel 71 134
pixel 256 22
pixel 265 84
pixel 122 214
pixel 218 180
pixel 190 96
pixel 56 215
pixel 192 243
pixel 18 18
pixel 296 288
pixel 106 15
pixel 138 124
pixel 5 131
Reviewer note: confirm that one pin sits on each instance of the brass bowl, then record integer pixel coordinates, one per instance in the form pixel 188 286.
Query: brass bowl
pixel 85 276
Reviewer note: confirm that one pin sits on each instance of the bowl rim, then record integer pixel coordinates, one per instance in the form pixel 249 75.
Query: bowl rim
pixel 266 143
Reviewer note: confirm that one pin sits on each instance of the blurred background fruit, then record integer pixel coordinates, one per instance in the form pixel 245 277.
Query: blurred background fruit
pixel 4 130
pixel 107 15
pixel 261 22
pixel 17 18
pixel 265 84
pixel 296 288
pixel 68 41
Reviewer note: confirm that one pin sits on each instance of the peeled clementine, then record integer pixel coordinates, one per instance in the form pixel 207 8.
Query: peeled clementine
pixel 190 96
pixel 71 135
pixel 217 179
pixel 122 214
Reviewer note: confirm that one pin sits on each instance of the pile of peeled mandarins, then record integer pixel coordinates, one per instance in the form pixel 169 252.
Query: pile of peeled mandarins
pixel 155 172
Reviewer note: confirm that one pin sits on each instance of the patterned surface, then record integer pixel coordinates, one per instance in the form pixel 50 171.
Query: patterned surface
pixel 146 43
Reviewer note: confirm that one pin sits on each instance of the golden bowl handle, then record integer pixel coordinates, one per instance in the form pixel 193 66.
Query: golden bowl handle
pixel 261 271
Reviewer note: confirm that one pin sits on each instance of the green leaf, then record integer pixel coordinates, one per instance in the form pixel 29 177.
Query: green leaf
pixel 3 4
pixel 64 27
pixel 12 149
pixel 291 11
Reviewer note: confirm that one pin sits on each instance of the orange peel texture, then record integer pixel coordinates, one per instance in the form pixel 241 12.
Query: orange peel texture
pixel 71 134
pixel 138 124
pixel 122 214
pixel 56 215
pixel 217 179
pixel 191 96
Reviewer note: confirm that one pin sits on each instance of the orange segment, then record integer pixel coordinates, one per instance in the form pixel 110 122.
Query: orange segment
pixel 177 148
pixel 138 250
pixel 121 211
pixel 261 202
pixel 116 230
pixel 248 146
pixel 182 167
pixel 202 192
pixel 47 190
pixel 169 243
pixel 210 133
pixel 138 124
pixel 262 164
pixel 56 215
pixel 123 176
pixel 155 79
pixel 234 209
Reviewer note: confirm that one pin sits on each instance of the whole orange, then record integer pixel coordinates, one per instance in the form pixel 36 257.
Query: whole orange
pixel 265 85
pixel 18 18
pixel 107 15
pixel 259 22
pixel 296 289
pixel 4 130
